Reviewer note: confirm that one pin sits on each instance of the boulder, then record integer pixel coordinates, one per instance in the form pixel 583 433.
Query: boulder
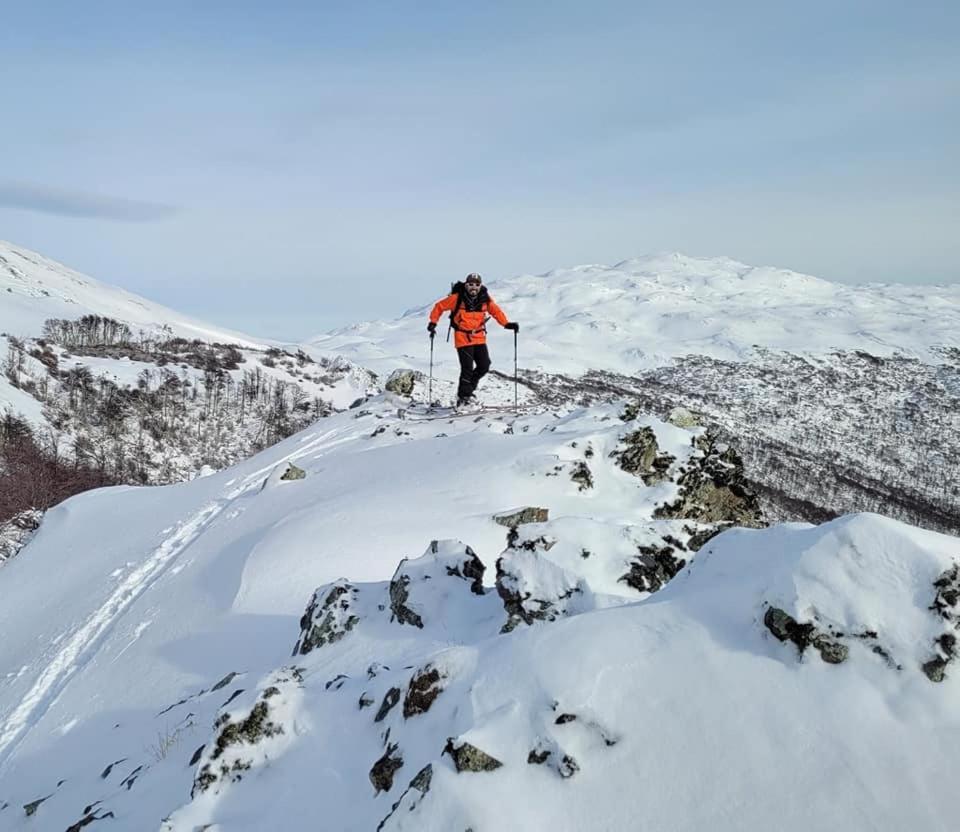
pixel 520 516
pixel 402 382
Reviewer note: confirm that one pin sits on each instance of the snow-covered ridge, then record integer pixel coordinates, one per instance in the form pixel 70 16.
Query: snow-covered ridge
pixel 794 677
pixel 34 288
pixel 643 312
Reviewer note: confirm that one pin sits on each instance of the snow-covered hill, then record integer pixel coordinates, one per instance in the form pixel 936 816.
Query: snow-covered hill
pixel 514 675
pixel 34 288
pixel 641 313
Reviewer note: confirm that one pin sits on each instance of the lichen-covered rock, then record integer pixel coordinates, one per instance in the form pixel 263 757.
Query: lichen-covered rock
pixel 467 757
pixel 402 382
pixel 330 615
pixel 448 566
pixel 946 604
pixel 293 473
pixel 520 516
pixel 252 729
pixel 384 769
pixel 714 488
pixel 424 688
pixel 640 455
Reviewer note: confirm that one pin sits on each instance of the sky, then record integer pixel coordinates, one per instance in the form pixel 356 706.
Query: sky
pixel 288 167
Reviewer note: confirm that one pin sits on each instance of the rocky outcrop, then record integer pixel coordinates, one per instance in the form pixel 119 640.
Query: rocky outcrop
pixel 467 757
pixel 424 688
pixel 653 567
pixel 17 531
pixel 416 580
pixel 329 616
pixel 946 604
pixel 714 488
pixel 520 516
pixel 640 455
pixel 384 769
pixel 402 382
pixel 532 588
pixel 786 628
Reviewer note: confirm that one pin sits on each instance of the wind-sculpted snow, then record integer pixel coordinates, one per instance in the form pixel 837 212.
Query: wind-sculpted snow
pixel 367 647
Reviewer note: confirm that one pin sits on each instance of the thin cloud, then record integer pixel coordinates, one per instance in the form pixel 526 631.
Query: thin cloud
pixel 45 200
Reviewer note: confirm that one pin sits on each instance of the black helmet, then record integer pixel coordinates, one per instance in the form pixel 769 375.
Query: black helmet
pixel 473 277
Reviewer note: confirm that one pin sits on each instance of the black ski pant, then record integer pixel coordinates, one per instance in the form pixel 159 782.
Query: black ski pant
pixel 474 363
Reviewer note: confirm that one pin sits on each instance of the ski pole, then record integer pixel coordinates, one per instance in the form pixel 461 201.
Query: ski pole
pixel 430 383
pixel 516 406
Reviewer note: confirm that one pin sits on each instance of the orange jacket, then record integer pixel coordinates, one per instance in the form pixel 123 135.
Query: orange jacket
pixel 469 327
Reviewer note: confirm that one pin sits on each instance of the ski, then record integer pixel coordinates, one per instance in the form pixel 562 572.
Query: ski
pixel 419 413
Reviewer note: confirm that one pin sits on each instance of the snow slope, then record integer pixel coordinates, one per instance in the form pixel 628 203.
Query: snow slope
pixel 641 313
pixel 34 288
pixel 136 619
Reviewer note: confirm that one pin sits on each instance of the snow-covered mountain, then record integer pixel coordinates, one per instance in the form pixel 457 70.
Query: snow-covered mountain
pixel 125 390
pixel 475 642
pixel 641 313
pixel 34 288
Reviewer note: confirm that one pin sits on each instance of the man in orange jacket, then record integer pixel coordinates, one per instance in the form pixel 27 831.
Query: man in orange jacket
pixel 470 306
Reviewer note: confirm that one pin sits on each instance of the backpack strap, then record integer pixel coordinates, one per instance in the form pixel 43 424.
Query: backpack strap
pixel 459 289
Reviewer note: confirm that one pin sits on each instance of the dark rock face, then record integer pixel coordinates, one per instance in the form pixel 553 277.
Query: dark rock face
pixel 420 785
pixel 654 566
pixel 424 688
pixel 467 757
pixel 786 628
pixel 582 475
pixel 328 617
pixel 946 604
pixel 399 593
pixel 641 456
pixel 714 488
pixel 529 514
pixel 390 699
pixel 381 775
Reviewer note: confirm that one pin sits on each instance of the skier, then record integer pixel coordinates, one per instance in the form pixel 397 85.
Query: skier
pixel 470 306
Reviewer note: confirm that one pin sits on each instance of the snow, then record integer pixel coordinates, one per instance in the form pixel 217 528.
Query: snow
pixel 34 288
pixel 140 616
pixel 642 313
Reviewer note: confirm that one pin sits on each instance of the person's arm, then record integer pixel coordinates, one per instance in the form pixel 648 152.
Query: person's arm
pixel 497 312
pixel 441 306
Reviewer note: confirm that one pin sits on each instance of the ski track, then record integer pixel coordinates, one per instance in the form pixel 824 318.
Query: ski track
pixel 82 645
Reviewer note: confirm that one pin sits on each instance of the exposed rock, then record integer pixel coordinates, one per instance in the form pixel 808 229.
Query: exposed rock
pixel 329 616
pixel 532 588
pixel 946 603
pixel 420 784
pixel 714 489
pixel 641 456
pixel 402 382
pixel 17 531
pixel 226 680
pixel 30 809
pixel 255 727
pixel 390 699
pixel 582 475
pixel 467 757
pixel 381 775
pixel 87 819
pixel 653 567
pixel 786 628
pixel 424 688
pixel 520 516
pixel 293 473
pixel 365 701
pixel 415 579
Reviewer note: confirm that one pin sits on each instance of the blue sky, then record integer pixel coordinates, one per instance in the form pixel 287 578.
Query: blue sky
pixel 288 167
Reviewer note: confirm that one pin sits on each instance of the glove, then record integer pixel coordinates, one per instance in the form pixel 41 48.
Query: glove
pixel 512 325
pixel 432 328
